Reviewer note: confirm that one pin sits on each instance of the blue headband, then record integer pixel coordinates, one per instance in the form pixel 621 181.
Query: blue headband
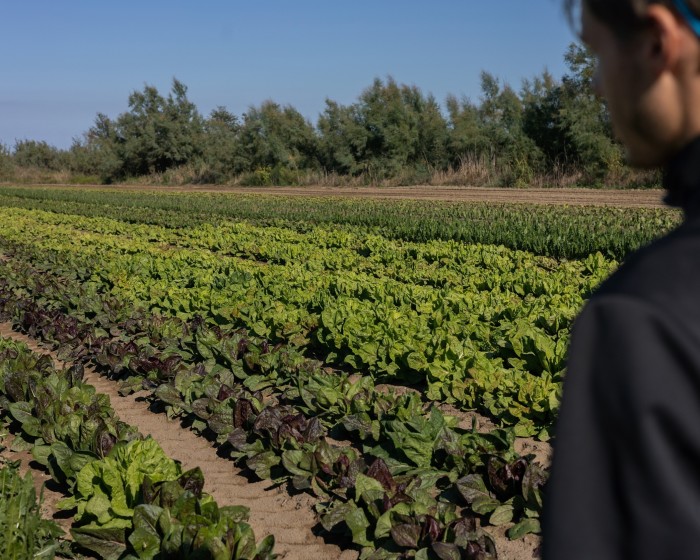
pixel 690 17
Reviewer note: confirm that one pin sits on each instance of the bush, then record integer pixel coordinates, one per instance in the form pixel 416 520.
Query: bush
pixel 38 155
pixel 6 165
pixel 261 177
pixel 84 180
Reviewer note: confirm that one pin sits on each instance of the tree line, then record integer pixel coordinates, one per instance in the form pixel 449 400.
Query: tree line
pixel 550 132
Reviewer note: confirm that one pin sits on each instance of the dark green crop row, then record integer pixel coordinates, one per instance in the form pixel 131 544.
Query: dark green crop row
pixel 555 231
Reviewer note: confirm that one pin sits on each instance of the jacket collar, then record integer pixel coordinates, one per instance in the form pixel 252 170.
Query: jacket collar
pixel 682 180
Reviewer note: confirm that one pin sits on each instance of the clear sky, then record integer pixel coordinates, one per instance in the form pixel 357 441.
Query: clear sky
pixel 63 61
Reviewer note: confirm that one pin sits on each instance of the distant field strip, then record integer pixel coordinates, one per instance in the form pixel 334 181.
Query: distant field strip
pixel 556 231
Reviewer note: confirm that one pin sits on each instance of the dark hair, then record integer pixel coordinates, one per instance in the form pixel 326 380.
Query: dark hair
pixel 623 16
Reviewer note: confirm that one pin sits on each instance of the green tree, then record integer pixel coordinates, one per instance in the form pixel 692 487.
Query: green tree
pixel 221 146
pixel 156 134
pixel 466 140
pixel 342 139
pixel 278 139
pixel 543 121
pixel 433 138
pixel 586 118
pixel 6 166
pixel 38 155
pixel 390 129
pixel 99 151
pixel 512 153
pixel 569 123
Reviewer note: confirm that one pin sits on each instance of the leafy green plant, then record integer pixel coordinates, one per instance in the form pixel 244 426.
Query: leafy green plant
pixel 23 532
pixel 107 491
pixel 177 521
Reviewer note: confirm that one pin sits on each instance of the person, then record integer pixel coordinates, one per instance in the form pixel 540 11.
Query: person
pixel 625 478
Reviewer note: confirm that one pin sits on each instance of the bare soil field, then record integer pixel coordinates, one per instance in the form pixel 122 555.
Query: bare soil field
pixel 288 517
pixel 640 198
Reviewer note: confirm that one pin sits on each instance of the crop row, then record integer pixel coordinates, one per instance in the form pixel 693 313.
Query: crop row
pixel 132 501
pixel 407 482
pixel 477 326
pixel 555 231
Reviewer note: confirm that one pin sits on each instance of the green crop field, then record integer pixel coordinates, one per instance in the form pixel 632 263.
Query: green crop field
pixel 319 342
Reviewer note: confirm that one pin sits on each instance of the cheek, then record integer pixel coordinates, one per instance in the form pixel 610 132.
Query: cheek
pixel 616 100
pixel 616 84
pixel 646 135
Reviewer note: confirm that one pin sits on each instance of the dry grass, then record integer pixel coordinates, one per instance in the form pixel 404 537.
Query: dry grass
pixel 472 172
pixel 33 176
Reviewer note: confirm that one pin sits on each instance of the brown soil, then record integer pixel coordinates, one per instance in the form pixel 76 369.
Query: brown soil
pixel 272 510
pixel 639 198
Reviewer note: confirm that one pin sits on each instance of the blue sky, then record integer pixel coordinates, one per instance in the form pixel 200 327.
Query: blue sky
pixel 65 61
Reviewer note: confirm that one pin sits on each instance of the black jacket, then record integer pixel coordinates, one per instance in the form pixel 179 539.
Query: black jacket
pixel 625 480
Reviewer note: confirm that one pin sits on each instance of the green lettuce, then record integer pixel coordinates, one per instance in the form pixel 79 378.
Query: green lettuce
pixel 107 491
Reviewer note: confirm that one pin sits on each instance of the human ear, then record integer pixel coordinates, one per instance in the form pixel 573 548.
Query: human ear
pixel 663 39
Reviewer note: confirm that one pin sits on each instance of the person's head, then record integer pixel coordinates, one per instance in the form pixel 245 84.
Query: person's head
pixel 648 71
